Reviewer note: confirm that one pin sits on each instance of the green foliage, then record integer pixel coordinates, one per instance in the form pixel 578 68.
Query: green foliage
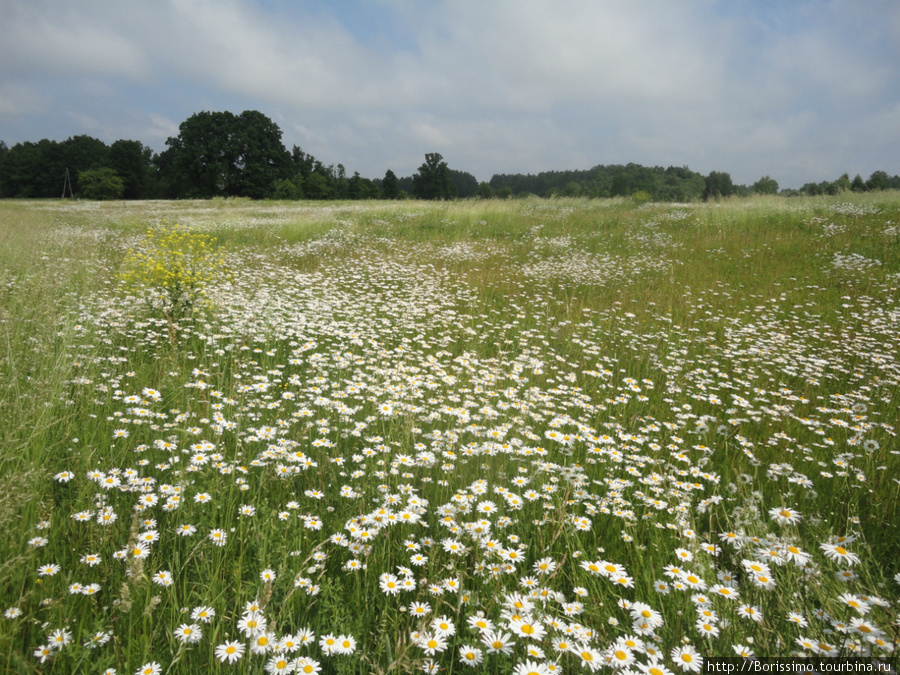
pixel 434 179
pixel 641 197
pixel 466 184
pixel 718 185
pixel 289 189
pixel 765 186
pixel 390 187
pixel 670 184
pixel 222 154
pixel 100 184
pixel 484 191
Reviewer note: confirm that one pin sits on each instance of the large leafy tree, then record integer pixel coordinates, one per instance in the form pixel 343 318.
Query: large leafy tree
pixel 466 183
pixel 222 154
pixel 102 183
pixel 718 184
pixel 390 186
pixel 133 163
pixel 765 186
pixel 434 179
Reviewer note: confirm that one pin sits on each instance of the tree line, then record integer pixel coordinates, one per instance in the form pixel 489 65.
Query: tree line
pixel 221 154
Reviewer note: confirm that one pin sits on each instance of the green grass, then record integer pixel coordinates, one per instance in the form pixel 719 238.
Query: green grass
pixel 486 384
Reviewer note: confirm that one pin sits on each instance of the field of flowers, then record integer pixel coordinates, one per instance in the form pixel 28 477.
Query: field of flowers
pixel 505 436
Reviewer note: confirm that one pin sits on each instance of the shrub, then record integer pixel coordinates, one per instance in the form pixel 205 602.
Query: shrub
pixel 100 184
pixel 171 268
pixel 641 197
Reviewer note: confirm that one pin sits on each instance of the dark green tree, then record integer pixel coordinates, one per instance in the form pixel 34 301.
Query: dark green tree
pixel 133 163
pixel 484 191
pixel 4 152
pixel 390 186
pixel 80 153
pixel 878 181
pixel 466 183
pixel 842 184
pixel 718 185
pixel 434 180
pixel 765 186
pixel 222 154
pixel 260 158
pixel 317 186
pixel 102 183
pixel 858 184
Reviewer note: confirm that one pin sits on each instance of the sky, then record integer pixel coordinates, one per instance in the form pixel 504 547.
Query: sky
pixel 799 90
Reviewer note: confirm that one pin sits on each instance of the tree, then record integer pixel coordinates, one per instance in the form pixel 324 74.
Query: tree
pixel 434 180
pixel 484 191
pixel 765 186
pixel 878 181
pixel 222 154
pixel 133 163
pixel 858 184
pixel 466 183
pixel 317 186
pixel 101 183
pixel 390 186
pixel 260 157
pixel 718 184
pixel 842 184
pixel 4 153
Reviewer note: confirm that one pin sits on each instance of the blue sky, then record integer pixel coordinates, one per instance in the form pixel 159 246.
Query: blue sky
pixel 798 90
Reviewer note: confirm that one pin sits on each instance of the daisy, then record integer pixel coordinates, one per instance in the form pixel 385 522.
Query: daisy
pixel 497 641
pixel 528 628
pixel 328 643
pixel 189 633
pixel 839 553
pixel 544 566
pixel 163 578
pixel 724 591
pixel 480 623
pixel 687 658
pixel 203 614
pixel 229 652
pixel 262 643
pixel 346 644
pixel 643 612
pixel 654 668
pixel 619 656
pixel 431 644
pixel 590 658
pixel 152 668
pixel 707 629
pixel 531 668
pixel 443 626
pixel 279 664
pixel 855 602
pixel 750 612
pixel 784 516
pixel 48 570
pixel 218 537
pixel 307 666
pixel 470 656
pixel 186 530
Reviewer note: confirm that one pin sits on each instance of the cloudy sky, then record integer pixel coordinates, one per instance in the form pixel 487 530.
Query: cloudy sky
pixel 801 90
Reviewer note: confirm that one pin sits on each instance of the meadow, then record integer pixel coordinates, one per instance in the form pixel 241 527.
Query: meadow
pixel 519 436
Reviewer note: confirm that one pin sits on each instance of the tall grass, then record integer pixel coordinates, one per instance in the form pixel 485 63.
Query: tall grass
pixel 568 415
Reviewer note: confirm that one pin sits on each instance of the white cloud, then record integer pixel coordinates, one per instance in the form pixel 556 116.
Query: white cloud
pixel 500 86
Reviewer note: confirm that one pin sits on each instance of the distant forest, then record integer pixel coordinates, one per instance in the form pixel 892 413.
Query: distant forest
pixel 220 154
